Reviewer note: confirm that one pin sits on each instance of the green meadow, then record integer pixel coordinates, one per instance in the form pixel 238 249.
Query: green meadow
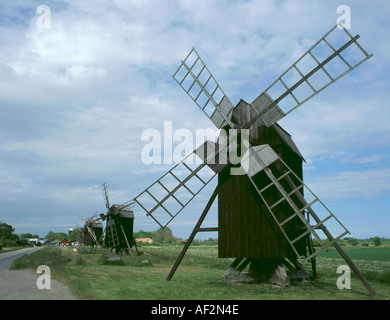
pixel 94 277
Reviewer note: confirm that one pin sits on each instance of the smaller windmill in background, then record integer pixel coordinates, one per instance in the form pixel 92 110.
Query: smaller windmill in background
pixel 119 225
pixel 91 233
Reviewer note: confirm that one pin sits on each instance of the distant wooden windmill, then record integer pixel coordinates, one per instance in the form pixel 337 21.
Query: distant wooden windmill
pixel 119 225
pixel 266 218
pixel 91 232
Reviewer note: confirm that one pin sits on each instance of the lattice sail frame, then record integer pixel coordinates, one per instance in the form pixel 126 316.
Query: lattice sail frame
pixel 323 70
pixel 172 192
pixel 197 81
pixel 263 157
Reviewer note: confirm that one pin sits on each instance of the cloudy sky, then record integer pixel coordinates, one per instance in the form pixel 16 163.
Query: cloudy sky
pixel 76 97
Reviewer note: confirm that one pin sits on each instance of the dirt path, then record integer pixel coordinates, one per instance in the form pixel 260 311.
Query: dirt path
pixel 22 285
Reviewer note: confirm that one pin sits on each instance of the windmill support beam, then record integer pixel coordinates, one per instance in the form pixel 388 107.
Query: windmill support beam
pixel 346 258
pixel 100 239
pixel 194 232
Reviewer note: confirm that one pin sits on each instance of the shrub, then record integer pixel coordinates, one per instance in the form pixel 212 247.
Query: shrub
pixel 9 243
pixel 377 241
pixel 353 241
pixel 22 243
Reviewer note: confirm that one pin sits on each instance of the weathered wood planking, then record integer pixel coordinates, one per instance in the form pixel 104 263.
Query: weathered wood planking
pixel 246 229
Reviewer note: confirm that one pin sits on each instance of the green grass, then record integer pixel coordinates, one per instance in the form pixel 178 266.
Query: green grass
pixel 361 253
pixel 49 256
pixel 9 249
pixel 198 276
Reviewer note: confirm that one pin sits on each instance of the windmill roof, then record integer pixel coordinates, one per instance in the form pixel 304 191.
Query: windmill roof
pixel 243 113
pixel 124 212
pixel 288 140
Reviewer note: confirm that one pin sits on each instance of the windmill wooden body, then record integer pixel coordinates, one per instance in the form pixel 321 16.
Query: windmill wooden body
pixel 91 234
pixel 255 234
pixel 265 211
pixel 119 225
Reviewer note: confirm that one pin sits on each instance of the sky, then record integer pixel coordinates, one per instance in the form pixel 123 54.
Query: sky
pixel 78 91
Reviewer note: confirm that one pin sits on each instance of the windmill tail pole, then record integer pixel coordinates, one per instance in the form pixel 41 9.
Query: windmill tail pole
pixel 193 234
pixel 336 245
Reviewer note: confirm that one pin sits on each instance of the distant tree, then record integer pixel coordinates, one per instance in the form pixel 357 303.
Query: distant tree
pixel 163 235
pixel 74 235
pixel 377 241
pixel 143 234
pixel 26 236
pixel 353 241
pixel 7 232
pixel 56 235
pixel 50 236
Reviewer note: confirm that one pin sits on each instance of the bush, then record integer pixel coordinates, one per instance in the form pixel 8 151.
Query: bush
pixel 353 242
pixel 377 241
pixel 22 243
pixel 9 243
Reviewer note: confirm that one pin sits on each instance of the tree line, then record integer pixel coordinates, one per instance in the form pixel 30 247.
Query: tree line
pixel 9 239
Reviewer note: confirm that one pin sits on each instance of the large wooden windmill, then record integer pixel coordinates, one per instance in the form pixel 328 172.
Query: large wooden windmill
pixel 266 214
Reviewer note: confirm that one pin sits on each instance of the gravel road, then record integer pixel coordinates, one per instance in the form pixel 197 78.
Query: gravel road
pixel 22 284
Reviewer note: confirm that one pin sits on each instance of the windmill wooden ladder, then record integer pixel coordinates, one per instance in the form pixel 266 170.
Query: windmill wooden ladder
pixel 113 240
pixel 92 234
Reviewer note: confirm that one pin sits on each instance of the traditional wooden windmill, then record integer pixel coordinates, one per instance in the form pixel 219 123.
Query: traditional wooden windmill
pixel 91 232
pixel 266 214
pixel 119 225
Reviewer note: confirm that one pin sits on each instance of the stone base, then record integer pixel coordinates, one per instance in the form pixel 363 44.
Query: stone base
pixel 237 277
pixel 269 271
pixel 280 277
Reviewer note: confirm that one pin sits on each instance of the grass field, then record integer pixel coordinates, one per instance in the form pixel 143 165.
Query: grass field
pixel 199 275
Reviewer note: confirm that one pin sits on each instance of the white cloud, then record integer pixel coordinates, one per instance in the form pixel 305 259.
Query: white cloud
pixel 347 185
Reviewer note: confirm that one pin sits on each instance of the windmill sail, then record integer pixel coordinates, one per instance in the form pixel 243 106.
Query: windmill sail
pixel 198 82
pixel 171 193
pixel 332 57
pixel 105 194
pixel 281 183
